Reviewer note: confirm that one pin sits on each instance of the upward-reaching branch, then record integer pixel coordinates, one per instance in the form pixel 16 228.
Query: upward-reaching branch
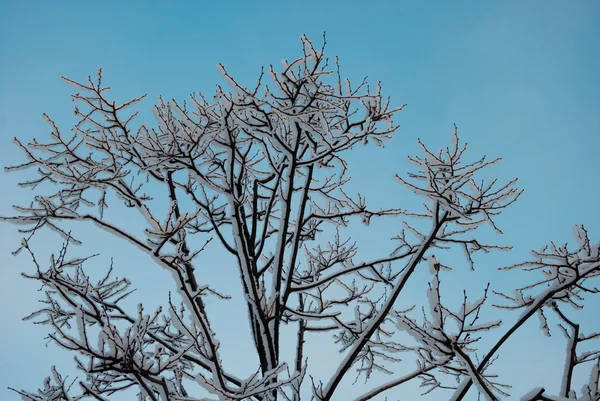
pixel 263 172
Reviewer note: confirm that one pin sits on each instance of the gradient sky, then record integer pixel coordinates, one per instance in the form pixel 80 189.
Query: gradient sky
pixel 517 77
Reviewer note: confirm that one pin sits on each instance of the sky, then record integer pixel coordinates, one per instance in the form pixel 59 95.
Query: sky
pixel 520 80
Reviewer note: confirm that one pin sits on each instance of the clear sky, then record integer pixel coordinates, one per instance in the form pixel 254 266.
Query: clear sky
pixel 520 79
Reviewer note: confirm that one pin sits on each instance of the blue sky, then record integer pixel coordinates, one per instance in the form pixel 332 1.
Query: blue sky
pixel 520 79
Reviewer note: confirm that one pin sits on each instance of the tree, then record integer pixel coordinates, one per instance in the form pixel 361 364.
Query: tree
pixel 261 173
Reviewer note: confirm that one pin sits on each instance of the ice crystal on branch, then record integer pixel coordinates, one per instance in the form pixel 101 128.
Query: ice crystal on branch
pixel 261 172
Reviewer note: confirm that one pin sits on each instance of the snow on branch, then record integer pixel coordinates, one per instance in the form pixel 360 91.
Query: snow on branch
pixel 261 172
pixel 565 273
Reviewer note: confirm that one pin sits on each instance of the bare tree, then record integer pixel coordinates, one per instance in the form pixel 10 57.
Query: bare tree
pixel 261 173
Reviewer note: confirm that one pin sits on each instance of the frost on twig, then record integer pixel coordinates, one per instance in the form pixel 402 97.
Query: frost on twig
pixel 446 338
pixel 262 173
pixel 258 171
pixel 57 391
pixel 446 180
pixel 455 206
pixel 566 273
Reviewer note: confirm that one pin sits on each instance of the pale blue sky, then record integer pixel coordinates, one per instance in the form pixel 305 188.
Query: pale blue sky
pixel 519 78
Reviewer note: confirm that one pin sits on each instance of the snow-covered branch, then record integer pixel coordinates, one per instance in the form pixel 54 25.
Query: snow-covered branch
pixel 262 173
